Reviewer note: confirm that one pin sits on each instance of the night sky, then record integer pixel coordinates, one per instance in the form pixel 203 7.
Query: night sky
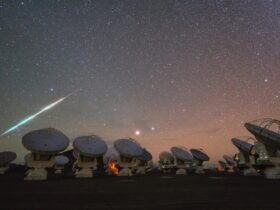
pixel 178 72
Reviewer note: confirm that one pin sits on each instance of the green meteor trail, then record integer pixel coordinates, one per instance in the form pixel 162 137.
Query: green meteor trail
pixel 31 117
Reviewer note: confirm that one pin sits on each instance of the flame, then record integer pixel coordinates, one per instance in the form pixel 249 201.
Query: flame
pixel 112 169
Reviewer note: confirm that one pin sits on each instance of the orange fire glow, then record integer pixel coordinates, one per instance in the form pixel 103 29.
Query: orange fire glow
pixel 112 169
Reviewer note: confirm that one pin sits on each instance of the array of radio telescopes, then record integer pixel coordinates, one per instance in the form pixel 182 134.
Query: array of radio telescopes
pixel 259 155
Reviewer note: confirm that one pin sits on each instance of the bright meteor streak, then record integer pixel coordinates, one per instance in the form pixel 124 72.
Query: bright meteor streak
pixel 26 120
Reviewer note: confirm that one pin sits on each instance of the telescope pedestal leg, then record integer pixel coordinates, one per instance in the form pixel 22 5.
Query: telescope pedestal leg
pixel 250 172
pixel 167 171
pixel 58 169
pixel 181 171
pixel 125 172
pixel 141 170
pixel 3 170
pixel 199 170
pixel 36 174
pixel 84 173
pixel 230 170
pixel 272 173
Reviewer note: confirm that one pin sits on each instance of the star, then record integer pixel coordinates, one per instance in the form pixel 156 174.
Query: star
pixel 137 132
pixel 177 77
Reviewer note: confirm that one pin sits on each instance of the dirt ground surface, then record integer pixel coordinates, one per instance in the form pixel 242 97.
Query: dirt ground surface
pixel 153 191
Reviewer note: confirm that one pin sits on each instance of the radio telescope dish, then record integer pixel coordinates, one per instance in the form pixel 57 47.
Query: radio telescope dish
pixel 129 153
pixel 229 160
pixel 181 153
pixel 199 155
pixel 7 157
pixel 128 148
pixel 146 155
pixel 61 160
pixel 45 141
pixel 87 151
pixel 246 157
pixel 90 146
pixel 242 144
pixel 43 144
pixel 265 130
pixel 166 156
pixel 143 161
pixel 166 162
pixel 182 159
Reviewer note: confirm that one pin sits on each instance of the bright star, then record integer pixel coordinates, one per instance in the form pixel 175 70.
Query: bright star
pixel 137 133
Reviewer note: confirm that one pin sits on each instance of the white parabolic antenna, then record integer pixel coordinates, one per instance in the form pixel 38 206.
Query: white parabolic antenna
pixel 166 156
pixel 229 160
pixel 91 146
pixel 242 144
pixel 45 141
pixel 265 130
pixel 182 153
pixel 61 160
pixel 199 155
pixel 7 157
pixel 128 147
pixel 146 155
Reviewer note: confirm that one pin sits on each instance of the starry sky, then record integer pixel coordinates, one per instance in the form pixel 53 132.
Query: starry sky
pixel 163 72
